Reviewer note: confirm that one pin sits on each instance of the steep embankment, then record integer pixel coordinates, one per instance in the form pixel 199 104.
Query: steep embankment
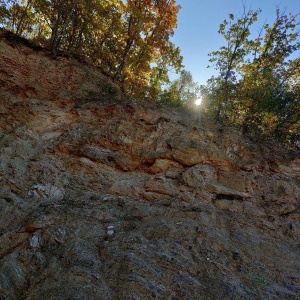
pixel 103 198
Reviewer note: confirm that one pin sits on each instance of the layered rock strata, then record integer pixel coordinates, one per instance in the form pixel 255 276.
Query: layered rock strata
pixel 107 198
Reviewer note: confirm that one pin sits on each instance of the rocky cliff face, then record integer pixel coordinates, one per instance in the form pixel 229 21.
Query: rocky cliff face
pixel 106 198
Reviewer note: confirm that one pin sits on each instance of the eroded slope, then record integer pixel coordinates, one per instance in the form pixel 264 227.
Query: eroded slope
pixel 104 198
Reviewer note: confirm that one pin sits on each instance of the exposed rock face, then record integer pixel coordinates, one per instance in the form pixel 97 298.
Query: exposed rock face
pixel 115 199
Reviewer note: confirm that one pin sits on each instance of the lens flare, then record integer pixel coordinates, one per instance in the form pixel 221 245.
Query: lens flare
pixel 198 101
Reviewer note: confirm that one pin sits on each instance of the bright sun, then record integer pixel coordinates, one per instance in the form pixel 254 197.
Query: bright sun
pixel 198 101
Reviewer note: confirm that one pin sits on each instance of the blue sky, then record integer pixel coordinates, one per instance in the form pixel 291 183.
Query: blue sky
pixel 198 23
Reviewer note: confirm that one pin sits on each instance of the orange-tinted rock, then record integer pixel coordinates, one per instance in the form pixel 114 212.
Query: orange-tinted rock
pixel 163 165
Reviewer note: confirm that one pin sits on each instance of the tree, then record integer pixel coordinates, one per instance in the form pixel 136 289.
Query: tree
pixel 17 16
pixel 181 91
pixel 228 59
pixel 146 51
pixel 257 84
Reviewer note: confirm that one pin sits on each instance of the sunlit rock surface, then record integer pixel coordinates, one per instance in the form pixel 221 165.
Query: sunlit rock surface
pixel 107 198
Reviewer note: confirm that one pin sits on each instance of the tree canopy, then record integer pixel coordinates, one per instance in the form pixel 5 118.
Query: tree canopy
pixel 258 85
pixel 129 40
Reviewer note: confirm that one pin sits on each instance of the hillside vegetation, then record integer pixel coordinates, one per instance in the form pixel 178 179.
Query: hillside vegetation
pixel 257 88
